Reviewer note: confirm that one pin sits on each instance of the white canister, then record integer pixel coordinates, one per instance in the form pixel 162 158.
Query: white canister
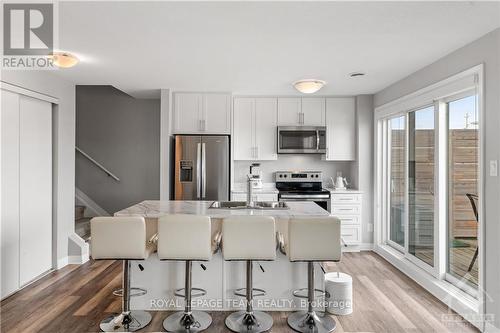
pixel 339 288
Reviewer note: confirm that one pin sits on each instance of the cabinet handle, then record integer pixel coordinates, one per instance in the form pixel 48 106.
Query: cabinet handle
pixel 200 125
pixel 257 152
pixel 203 125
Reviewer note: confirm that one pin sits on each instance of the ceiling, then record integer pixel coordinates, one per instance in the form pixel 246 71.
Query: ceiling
pixel 261 48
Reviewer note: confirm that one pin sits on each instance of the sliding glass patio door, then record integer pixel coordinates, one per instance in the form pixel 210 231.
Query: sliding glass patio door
pixel 412 172
pixel 429 183
pixel 421 152
pixel 463 190
pixel 412 142
pixel 397 227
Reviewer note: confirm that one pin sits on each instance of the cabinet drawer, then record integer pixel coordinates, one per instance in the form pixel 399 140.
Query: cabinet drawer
pixel 346 198
pixel 351 234
pixel 346 209
pixel 355 219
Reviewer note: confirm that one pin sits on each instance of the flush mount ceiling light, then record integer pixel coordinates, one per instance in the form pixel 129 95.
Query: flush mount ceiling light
pixel 309 86
pixel 64 59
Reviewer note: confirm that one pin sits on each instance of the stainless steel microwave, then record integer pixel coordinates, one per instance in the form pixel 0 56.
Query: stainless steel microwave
pixel 301 139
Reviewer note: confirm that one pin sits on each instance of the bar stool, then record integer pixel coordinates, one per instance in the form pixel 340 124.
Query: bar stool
pixel 311 240
pixel 186 238
pixel 249 238
pixel 121 238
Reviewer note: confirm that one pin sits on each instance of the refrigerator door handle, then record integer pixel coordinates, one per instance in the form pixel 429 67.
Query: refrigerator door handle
pixel 198 171
pixel 204 171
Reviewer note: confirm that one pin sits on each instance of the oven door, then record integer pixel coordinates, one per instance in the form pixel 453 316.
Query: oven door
pixel 301 139
pixel 322 200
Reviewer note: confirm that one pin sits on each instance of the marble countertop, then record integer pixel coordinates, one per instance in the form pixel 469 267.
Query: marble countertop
pixel 266 188
pixel 156 208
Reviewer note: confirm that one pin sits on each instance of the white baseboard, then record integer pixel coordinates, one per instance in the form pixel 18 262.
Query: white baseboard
pixel 358 248
pixel 71 260
pixel 92 208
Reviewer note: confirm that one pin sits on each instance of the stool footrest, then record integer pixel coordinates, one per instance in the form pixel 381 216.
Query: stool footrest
pixel 242 292
pixel 318 293
pixel 133 292
pixel 181 292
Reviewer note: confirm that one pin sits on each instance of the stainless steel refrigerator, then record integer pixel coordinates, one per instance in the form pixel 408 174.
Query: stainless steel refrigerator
pixel 201 167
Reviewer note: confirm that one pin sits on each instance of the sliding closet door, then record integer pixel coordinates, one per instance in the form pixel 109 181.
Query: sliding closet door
pixel 9 230
pixel 35 200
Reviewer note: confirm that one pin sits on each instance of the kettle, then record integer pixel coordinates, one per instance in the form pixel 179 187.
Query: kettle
pixel 340 182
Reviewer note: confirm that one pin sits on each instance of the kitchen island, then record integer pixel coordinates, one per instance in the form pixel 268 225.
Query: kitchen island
pixel 220 279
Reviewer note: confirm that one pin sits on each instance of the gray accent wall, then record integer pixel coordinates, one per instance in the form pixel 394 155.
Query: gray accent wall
pixel 123 134
pixel 485 50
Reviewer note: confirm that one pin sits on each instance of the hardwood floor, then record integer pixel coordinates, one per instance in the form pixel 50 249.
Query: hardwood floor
pixel 76 298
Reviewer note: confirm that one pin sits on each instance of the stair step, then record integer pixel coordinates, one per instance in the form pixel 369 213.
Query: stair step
pixel 79 212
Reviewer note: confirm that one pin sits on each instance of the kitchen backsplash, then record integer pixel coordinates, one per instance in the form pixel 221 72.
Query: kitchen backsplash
pixel 294 162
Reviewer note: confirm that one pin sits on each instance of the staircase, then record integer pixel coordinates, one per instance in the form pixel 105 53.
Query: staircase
pixel 82 223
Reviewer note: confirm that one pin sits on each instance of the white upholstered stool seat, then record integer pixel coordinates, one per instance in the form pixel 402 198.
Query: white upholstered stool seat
pixel 186 238
pixel 249 238
pixel 121 238
pixel 314 239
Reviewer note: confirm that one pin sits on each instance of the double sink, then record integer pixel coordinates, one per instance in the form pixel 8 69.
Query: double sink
pixel 275 205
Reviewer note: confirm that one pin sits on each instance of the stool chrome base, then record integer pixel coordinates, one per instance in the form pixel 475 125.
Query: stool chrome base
pixel 311 322
pixel 132 322
pixel 195 321
pixel 254 322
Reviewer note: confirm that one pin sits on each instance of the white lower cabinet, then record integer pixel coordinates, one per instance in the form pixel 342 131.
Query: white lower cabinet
pixel 347 207
pixel 256 197
pixel 26 194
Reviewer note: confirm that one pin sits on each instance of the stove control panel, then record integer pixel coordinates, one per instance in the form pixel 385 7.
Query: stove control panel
pixel 298 176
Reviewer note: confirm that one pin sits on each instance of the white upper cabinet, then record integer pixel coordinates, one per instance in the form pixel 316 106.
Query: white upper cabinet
pixel 341 129
pixel 266 122
pixel 243 130
pixel 187 113
pixel 296 111
pixel 217 113
pixel 313 111
pixel 254 131
pixel 196 113
pixel 289 111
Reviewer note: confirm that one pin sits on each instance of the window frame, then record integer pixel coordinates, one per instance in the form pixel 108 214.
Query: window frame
pixel 438 95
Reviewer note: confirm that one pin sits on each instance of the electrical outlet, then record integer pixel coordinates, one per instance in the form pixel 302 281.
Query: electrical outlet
pixel 493 168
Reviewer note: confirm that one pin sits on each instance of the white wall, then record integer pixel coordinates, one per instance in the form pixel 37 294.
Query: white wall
pixel 485 50
pixel 293 162
pixel 362 168
pixel 64 150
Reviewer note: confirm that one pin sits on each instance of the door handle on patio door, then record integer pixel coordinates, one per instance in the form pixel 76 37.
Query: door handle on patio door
pixel 198 171
pixel 204 171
